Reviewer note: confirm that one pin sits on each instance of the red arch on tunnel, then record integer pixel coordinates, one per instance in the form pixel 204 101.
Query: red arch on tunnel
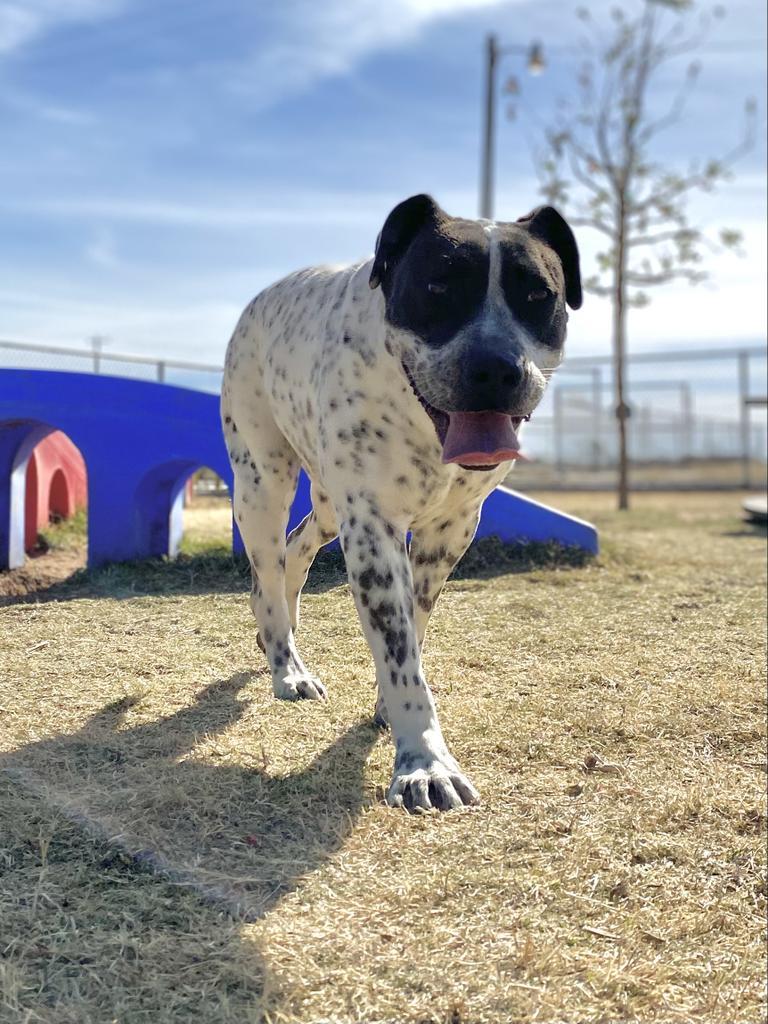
pixel 61 501
pixel 56 484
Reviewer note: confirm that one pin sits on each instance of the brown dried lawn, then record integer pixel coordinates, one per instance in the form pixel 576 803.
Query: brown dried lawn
pixel 175 845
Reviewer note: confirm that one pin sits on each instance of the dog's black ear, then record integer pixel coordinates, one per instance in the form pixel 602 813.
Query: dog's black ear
pixel 546 224
pixel 399 229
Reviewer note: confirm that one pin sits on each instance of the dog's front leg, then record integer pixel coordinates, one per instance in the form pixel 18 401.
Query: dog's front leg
pixel 425 774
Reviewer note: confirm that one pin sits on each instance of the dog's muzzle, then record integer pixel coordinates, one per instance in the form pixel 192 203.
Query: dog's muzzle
pixel 473 438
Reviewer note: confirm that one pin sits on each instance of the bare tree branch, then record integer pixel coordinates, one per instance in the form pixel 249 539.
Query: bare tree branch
pixel 672 116
pixel 592 222
pixel 705 180
pixel 665 236
pixel 663 276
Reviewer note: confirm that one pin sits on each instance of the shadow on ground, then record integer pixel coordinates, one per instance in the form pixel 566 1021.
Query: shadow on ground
pixel 189 819
pixel 234 839
pixel 748 529
pixel 220 572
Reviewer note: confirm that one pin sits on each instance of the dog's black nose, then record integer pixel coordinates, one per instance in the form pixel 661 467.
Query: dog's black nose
pixel 491 381
pixel 492 368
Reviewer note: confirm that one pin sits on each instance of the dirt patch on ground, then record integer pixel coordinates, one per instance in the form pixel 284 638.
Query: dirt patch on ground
pixel 41 571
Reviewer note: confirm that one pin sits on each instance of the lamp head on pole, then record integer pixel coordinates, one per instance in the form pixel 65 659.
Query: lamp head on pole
pixel 536 62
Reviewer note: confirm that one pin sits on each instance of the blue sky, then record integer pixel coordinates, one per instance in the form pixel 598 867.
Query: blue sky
pixel 162 160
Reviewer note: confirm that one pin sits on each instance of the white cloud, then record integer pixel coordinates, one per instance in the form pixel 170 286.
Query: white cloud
pixel 153 307
pixel 101 250
pixel 311 209
pixel 438 8
pixel 322 40
pixel 54 113
pixel 197 331
pixel 21 21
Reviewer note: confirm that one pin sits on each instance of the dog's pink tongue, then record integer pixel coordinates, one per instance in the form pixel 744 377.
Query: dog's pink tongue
pixel 480 439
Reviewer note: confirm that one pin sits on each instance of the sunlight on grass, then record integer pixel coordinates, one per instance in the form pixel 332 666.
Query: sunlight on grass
pixel 173 841
pixel 65 534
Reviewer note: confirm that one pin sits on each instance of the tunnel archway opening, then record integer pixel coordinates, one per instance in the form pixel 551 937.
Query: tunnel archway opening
pixel 205 514
pixel 61 503
pixel 180 507
pixel 43 483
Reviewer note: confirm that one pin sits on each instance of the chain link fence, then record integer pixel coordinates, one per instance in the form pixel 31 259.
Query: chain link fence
pixel 698 417
pixel 26 356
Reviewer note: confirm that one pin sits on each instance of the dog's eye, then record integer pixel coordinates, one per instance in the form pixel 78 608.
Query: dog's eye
pixel 437 288
pixel 538 295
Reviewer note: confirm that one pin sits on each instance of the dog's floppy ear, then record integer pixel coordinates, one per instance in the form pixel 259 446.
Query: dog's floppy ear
pixel 546 224
pixel 399 229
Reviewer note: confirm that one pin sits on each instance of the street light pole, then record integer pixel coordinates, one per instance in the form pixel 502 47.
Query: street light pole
pixel 486 188
pixel 535 65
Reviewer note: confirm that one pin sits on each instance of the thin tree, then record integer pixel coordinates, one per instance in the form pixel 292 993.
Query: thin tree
pixel 598 164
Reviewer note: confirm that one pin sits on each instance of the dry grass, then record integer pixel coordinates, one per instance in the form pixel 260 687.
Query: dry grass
pixel 207 526
pixel 693 474
pixel 175 845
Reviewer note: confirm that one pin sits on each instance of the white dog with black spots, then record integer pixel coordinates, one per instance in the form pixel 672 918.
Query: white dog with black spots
pixel 399 384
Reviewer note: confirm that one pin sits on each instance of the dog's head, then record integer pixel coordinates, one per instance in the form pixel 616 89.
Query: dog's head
pixel 478 312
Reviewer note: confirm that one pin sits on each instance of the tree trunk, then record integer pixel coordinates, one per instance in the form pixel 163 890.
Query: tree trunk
pixel 619 353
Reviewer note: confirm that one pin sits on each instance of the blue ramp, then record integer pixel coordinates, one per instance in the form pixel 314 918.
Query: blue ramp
pixel 140 442
pixel 506 514
pixel 513 517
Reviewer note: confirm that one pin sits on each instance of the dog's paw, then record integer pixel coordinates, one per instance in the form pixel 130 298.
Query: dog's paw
pixel 422 782
pixel 299 687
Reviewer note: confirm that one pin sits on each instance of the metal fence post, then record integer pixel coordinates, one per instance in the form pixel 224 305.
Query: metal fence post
pixel 597 409
pixel 746 477
pixel 160 372
pixel 686 408
pixel 557 424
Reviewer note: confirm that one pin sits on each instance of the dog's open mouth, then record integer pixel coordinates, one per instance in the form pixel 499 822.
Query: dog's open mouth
pixel 473 440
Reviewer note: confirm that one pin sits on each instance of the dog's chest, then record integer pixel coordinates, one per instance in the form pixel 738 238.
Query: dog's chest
pixel 340 397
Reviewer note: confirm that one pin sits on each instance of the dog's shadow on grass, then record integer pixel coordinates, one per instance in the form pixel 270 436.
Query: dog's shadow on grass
pixel 193 820
pixel 213 572
pixel 220 572
pixel 167 799
pixel 749 529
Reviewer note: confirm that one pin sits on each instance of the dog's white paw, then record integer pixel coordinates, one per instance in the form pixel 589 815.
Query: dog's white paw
pixel 293 686
pixel 422 781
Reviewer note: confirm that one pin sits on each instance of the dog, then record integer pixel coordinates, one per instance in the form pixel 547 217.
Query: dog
pixel 399 384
